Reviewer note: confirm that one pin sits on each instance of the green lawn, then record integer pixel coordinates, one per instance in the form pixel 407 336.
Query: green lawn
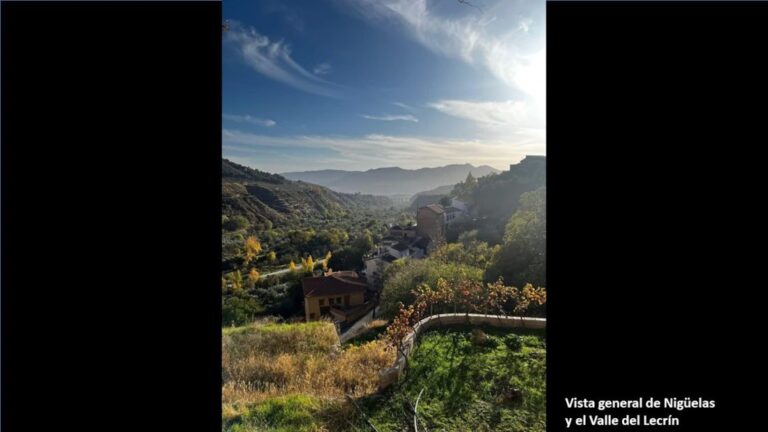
pixel 468 387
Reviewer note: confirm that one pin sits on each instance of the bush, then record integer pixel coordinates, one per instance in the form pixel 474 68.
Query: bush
pixel 513 342
pixel 402 277
pixel 240 310
pixel 235 223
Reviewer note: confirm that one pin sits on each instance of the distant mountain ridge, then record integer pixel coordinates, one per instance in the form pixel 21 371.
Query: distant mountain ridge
pixel 390 180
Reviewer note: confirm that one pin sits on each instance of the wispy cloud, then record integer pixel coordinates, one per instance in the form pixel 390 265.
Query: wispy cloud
pixel 403 106
pixel 376 150
pixel 513 54
pixel 273 59
pixel 388 117
pixel 248 119
pixel 507 113
pixel 322 69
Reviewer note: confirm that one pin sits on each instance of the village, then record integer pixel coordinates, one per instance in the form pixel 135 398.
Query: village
pixel 345 296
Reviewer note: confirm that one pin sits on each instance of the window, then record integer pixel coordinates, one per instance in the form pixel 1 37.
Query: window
pixel 338 300
pixel 322 302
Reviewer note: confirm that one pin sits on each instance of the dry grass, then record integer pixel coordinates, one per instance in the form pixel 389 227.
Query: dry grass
pixel 264 361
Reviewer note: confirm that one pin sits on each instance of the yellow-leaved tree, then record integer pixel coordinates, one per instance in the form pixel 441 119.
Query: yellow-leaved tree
pixel 252 249
pixel 309 265
pixel 292 266
pixel 253 277
pixel 271 256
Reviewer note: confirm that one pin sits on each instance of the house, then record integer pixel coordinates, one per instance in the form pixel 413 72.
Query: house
pixel 458 204
pixel 374 269
pixel 399 243
pixel 453 214
pixel 430 223
pixel 408 232
pixel 340 295
pixel 399 250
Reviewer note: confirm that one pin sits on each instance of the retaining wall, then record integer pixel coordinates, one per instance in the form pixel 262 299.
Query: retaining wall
pixel 392 374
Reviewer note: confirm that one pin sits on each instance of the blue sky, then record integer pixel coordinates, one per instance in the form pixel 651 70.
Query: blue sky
pixel 360 84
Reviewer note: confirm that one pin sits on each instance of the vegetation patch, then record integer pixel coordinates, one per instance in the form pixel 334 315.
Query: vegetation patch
pixel 480 386
pixel 285 377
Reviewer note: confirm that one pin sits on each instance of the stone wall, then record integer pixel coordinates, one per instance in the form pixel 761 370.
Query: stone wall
pixel 392 374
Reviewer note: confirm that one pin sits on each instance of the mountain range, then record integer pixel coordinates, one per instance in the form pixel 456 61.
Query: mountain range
pixel 390 181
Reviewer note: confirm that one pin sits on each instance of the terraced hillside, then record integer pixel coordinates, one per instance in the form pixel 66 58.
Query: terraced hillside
pixel 268 200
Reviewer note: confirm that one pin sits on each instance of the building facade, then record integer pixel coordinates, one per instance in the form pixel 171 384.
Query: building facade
pixel 339 295
pixel 430 222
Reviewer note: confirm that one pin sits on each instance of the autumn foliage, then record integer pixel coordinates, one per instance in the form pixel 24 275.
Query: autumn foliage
pixel 466 296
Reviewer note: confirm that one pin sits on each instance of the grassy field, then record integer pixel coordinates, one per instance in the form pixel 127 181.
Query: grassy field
pixel 468 386
pixel 294 377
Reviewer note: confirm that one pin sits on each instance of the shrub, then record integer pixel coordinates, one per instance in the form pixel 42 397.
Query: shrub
pixel 513 342
pixel 401 278
pixel 235 223
pixel 239 310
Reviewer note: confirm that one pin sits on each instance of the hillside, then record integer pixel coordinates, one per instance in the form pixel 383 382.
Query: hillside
pixel 431 196
pixel 494 198
pixel 267 200
pixel 390 181
pixel 497 196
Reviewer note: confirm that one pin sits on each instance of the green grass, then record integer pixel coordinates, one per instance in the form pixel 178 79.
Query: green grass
pixel 368 335
pixel 280 414
pixel 274 327
pixel 468 387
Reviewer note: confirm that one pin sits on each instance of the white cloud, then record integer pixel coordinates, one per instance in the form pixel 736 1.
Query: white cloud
pixel 273 59
pixel 403 106
pixel 376 150
pixel 248 119
pixel 322 69
pixel 492 114
pixel 514 54
pixel 388 117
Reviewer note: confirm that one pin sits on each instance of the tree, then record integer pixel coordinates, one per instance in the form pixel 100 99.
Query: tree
pixel 271 256
pixel 403 276
pixel 521 259
pixel 347 259
pixel 236 278
pixel 309 265
pixel 445 201
pixel 253 277
pixel 238 310
pixel 364 243
pixel 292 266
pixel 252 249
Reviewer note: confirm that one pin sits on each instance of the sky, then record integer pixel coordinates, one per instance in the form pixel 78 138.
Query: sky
pixel 361 84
